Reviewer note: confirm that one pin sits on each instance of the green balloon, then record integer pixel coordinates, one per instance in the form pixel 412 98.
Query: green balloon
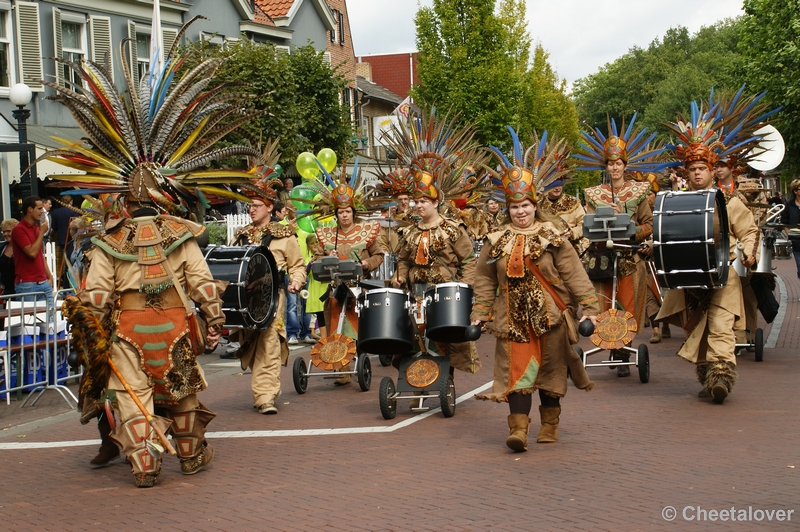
pixel 306 165
pixel 303 192
pixel 307 224
pixel 327 158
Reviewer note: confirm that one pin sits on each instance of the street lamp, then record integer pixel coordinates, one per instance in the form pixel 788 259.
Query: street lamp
pixel 20 95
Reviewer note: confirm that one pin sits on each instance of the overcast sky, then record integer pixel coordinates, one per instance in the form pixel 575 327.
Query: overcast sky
pixel 581 35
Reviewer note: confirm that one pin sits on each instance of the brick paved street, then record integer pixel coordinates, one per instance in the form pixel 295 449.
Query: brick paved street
pixel 626 451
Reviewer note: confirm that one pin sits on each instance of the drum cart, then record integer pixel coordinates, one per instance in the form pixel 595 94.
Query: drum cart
pixel 333 353
pixel 444 312
pixel 614 332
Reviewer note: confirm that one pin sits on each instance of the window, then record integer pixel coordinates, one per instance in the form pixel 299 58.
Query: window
pixel 341 27
pixel 5 50
pixel 142 54
pixel 333 31
pixel 70 41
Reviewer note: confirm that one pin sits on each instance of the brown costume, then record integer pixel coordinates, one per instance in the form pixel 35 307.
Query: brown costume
pixel 264 351
pixel 141 274
pixel 569 209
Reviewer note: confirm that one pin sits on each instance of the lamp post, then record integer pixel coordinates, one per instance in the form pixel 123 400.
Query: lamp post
pixel 20 95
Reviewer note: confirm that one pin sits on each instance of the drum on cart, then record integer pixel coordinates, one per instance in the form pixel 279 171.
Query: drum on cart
pixel 251 299
pixel 384 322
pixel 690 239
pixel 782 249
pixel 447 310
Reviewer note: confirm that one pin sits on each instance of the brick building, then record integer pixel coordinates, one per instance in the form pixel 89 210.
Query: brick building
pixel 395 72
pixel 342 54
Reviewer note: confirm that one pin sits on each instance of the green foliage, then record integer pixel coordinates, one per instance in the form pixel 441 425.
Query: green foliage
pixel 478 63
pixel 662 80
pixel 217 233
pixel 299 92
pixel 769 43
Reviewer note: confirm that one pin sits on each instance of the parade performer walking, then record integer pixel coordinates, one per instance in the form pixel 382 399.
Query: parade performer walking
pixel 352 238
pixel 134 326
pixel 627 196
pixel 438 249
pixel 712 317
pixel 264 351
pixel 527 275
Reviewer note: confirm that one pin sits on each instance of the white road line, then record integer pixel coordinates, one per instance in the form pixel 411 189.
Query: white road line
pixel 263 433
pixel 772 339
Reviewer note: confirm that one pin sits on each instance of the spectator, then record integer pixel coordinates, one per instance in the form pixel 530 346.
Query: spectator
pixel 7 257
pixel 47 204
pixel 27 237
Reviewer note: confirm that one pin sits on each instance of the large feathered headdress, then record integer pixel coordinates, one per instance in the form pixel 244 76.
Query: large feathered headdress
pixel 632 147
pixel 154 144
pixel 725 132
pixel 438 153
pixel 265 184
pixel 533 170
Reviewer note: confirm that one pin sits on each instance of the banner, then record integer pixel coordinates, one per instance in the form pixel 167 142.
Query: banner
pixel 404 108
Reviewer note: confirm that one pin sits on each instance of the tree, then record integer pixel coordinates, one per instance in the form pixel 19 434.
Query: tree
pixel 769 44
pixel 299 94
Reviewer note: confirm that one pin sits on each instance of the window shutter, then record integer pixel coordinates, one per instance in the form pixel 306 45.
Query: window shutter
pixel 100 30
pixel 281 49
pixel 326 58
pixel 29 45
pixel 134 56
pixel 333 31
pixel 58 45
pixel 341 27
pixel 169 35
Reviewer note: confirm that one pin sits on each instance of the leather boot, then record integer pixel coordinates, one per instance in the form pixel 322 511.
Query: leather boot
pixel 623 371
pixel 344 379
pixel 108 449
pixel 656 337
pixel 720 379
pixel 549 431
pixel 665 332
pixel 518 432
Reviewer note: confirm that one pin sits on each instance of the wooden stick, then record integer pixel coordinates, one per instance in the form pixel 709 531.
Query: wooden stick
pixel 150 419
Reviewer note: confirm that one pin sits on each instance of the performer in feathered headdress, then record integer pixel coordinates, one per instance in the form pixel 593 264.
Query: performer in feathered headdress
pixel 263 351
pixel 620 153
pixel 153 145
pixel 715 316
pixel 441 157
pixel 522 259
pixel 351 238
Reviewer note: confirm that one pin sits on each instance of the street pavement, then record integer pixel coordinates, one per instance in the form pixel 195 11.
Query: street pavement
pixel 628 455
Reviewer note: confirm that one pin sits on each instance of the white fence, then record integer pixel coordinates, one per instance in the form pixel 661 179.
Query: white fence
pixel 234 223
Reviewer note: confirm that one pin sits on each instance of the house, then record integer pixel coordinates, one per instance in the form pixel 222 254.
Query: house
pixel 396 72
pixel 376 105
pixel 32 33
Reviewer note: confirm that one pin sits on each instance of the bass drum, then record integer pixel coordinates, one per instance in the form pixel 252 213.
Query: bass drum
pixel 690 239
pixel 251 299
pixel 384 322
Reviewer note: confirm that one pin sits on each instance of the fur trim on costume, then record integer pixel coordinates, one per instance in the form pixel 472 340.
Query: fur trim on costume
pixel 90 341
pixel 702 370
pixel 721 373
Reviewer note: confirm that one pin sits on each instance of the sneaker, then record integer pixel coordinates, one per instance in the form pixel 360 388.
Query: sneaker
pixel 308 340
pixel 267 409
pixel 292 340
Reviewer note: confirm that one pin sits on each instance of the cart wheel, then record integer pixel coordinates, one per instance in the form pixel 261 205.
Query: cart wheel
pixel 759 341
pixel 447 397
pixel 299 376
pixel 386 360
pixel 579 351
pixel 364 372
pixel 644 363
pixel 388 406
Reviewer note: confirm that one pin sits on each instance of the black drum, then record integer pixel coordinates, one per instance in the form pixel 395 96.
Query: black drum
pixel 690 239
pixel 384 322
pixel 447 310
pixel 251 299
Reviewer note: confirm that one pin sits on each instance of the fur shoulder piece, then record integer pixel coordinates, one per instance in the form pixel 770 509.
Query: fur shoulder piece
pixel 147 239
pixel 564 205
pixel 537 239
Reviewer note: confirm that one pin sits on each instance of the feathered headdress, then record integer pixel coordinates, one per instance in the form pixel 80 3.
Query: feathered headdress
pixel 396 182
pixel 266 184
pixel 725 132
pixel 153 145
pixel 438 154
pixel 632 147
pixel 533 170
pixel 334 194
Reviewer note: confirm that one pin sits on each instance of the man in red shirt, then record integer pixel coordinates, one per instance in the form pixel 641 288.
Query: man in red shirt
pixel 32 272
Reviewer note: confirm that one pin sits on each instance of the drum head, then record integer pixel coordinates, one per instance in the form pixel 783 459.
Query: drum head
pixel 261 289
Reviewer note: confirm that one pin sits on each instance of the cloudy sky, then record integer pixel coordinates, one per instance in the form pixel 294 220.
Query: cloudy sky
pixel 581 35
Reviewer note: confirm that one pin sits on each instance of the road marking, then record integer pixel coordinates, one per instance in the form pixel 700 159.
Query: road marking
pixel 772 339
pixel 263 433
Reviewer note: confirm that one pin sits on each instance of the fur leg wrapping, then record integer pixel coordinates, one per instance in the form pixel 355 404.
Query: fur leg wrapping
pixel 518 432
pixel 702 370
pixel 549 431
pixel 720 378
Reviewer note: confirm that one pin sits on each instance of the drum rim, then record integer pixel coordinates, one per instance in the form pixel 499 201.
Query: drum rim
pixel 385 290
pixel 448 285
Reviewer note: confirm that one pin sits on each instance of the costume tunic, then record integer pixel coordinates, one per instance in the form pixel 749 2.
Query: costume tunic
pixel 263 351
pixel 139 269
pixel 532 349
pixel 441 252
pixel 569 209
pixel 362 242
pixel 631 268
pixel 712 337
